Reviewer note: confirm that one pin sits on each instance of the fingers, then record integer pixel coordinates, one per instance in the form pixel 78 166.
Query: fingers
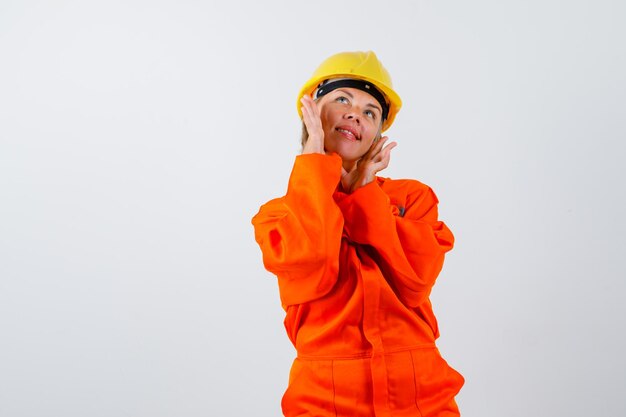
pixel 374 149
pixel 313 124
pixel 310 113
pixel 379 146
pixel 379 150
pixel 381 160
pixel 376 159
pixel 387 149
pixel 385 154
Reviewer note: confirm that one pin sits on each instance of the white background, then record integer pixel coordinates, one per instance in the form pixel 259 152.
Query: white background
pixel 138 138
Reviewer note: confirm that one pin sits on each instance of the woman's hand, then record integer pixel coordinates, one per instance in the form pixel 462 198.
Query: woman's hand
pixel 313 123
pixel 365 170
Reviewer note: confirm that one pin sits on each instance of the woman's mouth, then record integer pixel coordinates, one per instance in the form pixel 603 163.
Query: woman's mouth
pixel 348 133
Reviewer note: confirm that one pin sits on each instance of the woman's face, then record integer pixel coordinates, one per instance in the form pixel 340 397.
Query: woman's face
pixel 351 120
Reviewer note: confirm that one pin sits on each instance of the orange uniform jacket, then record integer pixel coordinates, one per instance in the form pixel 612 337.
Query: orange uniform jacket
pixel 355 272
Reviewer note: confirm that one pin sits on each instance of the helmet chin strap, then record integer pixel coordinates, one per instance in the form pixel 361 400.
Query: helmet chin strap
pixel 332 84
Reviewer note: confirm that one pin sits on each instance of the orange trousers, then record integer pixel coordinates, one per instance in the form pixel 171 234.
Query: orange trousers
pixel 420 384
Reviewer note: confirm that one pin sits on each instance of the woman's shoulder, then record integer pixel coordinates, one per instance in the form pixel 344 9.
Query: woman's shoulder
pixel 402 186
pixel 407 191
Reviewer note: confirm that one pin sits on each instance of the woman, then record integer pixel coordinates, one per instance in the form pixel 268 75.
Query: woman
pixel 356 256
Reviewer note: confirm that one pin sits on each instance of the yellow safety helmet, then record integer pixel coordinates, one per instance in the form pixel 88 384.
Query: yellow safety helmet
pixel 360 66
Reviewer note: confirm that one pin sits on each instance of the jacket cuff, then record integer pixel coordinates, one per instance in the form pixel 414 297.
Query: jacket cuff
pixel 314 174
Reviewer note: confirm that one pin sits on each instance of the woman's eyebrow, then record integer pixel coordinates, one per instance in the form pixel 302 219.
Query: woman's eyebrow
pixel 345 92
pixel 374 106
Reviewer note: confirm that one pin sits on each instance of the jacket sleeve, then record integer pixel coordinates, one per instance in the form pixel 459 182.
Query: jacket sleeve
pixel 300 233
pixel 409 244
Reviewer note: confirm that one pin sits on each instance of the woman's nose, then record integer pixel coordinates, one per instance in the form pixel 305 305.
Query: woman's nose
pixel 352 116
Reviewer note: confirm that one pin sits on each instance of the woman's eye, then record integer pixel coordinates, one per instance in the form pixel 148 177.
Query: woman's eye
pixel 341 99
pixel 370 113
